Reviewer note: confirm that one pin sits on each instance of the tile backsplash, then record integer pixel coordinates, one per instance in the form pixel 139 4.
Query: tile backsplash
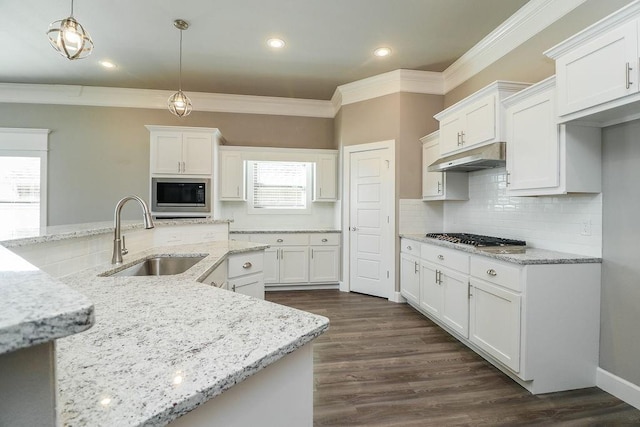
pixel 568 223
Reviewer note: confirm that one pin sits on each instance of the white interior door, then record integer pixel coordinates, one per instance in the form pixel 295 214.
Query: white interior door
pixel 370 240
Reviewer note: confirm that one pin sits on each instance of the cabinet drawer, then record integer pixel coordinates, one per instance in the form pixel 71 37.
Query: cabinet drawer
pixel 500 273
pixel 410 247
pixel 328 239
pixel 246 263
pixel 240 237
pixel 281 239
pixel 450 258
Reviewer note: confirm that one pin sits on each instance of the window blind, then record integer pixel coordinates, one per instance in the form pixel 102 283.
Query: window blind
pixel 279 185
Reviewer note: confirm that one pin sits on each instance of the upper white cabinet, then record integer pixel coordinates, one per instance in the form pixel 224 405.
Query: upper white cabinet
pixel 182 151
pixel 325 187
pixel 231 176
pixel 440 185
pixel 476 120
pixel 544 158
pixel 597 70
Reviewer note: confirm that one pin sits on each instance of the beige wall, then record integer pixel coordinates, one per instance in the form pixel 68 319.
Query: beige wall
pixel 527 62
pixel 97 155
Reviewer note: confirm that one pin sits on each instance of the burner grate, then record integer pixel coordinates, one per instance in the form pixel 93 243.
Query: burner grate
pixel 476 240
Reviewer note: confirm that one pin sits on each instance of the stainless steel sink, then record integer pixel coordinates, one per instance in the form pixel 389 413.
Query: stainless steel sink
pixel 160 266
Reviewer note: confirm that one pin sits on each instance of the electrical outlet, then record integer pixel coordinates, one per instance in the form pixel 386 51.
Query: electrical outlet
pixel 586 228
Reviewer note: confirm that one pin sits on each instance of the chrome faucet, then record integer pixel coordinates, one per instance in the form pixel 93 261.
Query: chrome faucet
pixel 119 248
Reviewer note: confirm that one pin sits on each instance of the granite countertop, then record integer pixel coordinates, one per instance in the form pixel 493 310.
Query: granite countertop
pixel 532 255
pixel 35 308
pixel 161 346
pixel 301 231
pixel 31 236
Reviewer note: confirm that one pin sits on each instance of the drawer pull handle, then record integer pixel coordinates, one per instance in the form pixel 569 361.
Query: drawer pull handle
pixel 325 240
pixel 491 272
pixel 247 265
pixel 409 248
pixel 440 257
pixel 279 240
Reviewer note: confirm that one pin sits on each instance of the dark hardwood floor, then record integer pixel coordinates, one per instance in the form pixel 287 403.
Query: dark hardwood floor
pixel 385 364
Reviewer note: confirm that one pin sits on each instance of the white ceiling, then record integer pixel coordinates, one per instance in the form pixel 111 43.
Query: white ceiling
pixel 329 42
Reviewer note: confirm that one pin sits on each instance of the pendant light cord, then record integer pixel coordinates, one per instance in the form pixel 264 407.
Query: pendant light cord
pixel 71 8
pixel 180 73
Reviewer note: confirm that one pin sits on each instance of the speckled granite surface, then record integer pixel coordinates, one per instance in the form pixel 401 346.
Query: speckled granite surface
pixel 532 255
pixel 63 232
pixel 282 231
pixel 35 308
pixel 161 346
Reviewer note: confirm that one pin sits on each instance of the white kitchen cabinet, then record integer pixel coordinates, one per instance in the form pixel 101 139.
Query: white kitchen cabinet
pixel 181 151
pixel 294 264
pixel 245 274
pixel 410 270
pixel 231 176
pixel 440 185
pixel 444 291
pixel 544 158
pixel 538 323
pixel 597 70
pixel 476 120
pixel 495 322
pixel 324 264
pixel 325 187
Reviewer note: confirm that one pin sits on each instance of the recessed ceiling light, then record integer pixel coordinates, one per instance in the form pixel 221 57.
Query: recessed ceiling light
pixel 107 64
pixel 382 52
pixel 275 43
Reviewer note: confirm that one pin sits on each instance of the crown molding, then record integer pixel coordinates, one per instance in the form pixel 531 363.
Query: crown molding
pixel 157 99
pixel 528 21
pixel 427 82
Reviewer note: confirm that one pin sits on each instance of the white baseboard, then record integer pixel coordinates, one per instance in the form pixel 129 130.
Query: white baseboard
pixel 396 297
pixel 619 387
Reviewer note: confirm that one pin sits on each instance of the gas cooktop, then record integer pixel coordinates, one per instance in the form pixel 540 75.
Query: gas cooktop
pixel 484 243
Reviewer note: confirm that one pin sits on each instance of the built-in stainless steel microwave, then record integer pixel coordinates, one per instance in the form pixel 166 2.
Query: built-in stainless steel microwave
pixel 181 195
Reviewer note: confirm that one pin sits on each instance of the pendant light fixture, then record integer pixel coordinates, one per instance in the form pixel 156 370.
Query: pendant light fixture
pixel 70 38
pixel 179 103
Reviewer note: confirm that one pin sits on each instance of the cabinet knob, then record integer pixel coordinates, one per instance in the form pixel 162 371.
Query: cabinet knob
pixel 325 240
pixel 279 240
pixel 440 257
pixel 409 247
pixel 247 265
pixel 492 272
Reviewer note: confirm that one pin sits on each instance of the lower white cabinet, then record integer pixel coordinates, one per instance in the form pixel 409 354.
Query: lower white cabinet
pixel 538 323
pixel 245 274
pixel 299 260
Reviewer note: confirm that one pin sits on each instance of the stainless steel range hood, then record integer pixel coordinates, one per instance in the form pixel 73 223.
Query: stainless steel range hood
pixel 486 157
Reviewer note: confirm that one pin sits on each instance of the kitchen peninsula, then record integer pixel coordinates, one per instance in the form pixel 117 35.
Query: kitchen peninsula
pixel 170 346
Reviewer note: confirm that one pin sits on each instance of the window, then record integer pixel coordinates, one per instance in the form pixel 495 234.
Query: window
pixel 23 172
pixel 279 187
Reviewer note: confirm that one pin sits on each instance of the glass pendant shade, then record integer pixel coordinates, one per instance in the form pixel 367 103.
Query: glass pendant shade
pixel 180 104
pixel 69 38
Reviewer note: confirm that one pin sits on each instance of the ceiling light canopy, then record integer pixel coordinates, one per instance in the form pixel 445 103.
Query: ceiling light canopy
pixel 69 38
pixel 276 43
pixel 179 103
pixel 381 52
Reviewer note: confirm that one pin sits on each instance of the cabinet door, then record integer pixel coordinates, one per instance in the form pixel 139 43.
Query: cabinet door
pixel 271 267
pixel 430 289
pixel 598 71
pixel 294 264
pixel 248 285
pixel 450 130
pixel 410 278
pixel 432 182
pixel 455 301
pixel 166 153
pixel 326 173
pixel 232 176
pixel 494 323
pixel 197 153
pixel 325 264
pixel 533 157
pixel 479 122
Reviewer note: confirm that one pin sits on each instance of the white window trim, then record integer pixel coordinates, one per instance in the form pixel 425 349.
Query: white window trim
pixel 22 142
pixel 262 211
